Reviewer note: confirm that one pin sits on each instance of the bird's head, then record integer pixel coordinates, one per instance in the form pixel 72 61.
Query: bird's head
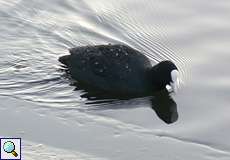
pixel 165 75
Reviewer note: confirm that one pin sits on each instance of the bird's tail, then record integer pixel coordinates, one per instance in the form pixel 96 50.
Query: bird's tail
pixel 64 59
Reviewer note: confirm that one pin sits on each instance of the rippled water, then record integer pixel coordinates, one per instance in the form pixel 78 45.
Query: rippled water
pixel 193 34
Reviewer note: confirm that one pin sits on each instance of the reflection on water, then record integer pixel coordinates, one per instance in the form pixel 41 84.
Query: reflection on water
pixel 161 102
pixel 165 107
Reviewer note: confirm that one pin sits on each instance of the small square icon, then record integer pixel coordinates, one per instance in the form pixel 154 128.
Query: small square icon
pixel 10 148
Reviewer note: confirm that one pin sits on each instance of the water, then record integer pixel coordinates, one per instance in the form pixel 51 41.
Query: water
pixel 53 118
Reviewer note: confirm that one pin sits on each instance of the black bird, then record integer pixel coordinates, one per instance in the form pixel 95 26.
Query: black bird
pixel 119 70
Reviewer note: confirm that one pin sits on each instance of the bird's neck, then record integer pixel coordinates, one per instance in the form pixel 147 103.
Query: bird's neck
pixel 156 78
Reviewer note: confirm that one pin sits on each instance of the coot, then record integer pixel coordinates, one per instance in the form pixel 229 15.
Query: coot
pixel 119 70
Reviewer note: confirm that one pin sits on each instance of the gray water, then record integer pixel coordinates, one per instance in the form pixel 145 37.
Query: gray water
pixel 56 123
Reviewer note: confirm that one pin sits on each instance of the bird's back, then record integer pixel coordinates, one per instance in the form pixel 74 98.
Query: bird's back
pixel 113 68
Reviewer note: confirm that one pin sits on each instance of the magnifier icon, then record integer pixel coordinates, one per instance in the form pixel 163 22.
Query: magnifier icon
pixel 9 147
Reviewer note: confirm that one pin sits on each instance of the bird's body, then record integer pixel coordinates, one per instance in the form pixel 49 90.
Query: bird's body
pixel 116 69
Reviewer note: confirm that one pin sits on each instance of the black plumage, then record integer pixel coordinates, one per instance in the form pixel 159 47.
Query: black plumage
pixel 117 69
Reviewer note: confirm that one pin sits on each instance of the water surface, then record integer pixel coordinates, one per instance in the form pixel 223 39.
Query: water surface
pixel 195 35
